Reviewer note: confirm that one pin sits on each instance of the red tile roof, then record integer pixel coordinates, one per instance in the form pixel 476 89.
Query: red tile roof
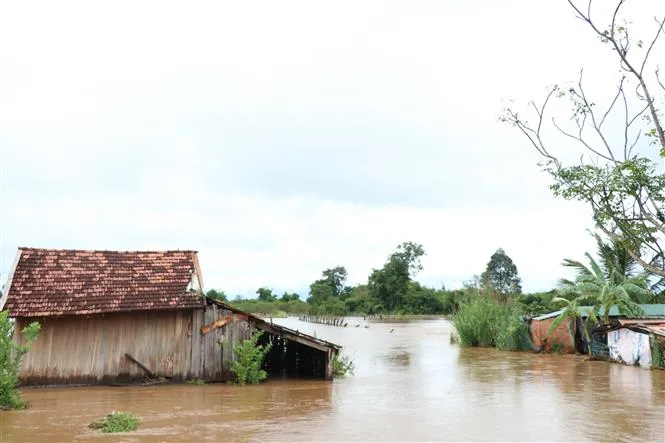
pixel 50 282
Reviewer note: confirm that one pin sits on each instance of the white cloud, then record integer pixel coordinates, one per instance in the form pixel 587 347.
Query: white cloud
pixel 280 138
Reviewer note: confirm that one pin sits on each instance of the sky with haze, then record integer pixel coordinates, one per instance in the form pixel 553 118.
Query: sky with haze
pixel 282 138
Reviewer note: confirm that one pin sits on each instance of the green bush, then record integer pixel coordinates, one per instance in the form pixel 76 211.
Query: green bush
pixel 657 353
pixel 486 322
pixel 196 381
pixel 249 356
pixel 476 322
pixel 117 422
pixel 342 366
pixel 513 333
pixel 11 355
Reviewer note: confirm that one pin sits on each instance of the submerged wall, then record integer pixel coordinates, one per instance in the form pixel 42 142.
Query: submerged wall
pixel 629 347
pixel 91 349
pixel 562 335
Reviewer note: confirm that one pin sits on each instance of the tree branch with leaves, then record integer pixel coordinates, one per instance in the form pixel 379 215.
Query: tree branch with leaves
pixel 616 174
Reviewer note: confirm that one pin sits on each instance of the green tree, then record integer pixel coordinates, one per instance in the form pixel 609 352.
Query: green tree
pixel 501 275
pixel 290 297
pixel 249 357
pixel 11 355
pixel 389 285
pixel 216 295
pixel 266 294
pixel 606 288
pixel 616 174
pixel 332 284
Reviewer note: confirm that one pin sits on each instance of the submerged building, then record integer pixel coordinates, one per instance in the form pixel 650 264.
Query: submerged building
pixel 627 340
pixel 121 316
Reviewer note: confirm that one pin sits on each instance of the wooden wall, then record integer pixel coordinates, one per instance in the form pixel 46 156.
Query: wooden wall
pixel 91 349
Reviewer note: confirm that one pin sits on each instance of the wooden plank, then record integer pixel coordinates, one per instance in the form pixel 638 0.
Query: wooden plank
pixel 217 324
pixel 148 371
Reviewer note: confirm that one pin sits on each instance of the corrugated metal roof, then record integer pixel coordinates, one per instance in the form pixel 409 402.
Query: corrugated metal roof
pixel 550 315
pixel 652 310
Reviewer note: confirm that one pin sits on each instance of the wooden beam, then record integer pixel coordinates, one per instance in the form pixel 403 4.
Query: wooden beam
pixel 217 324
pixel 140 365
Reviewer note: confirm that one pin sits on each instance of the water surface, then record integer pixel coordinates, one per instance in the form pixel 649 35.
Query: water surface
pixel 409 385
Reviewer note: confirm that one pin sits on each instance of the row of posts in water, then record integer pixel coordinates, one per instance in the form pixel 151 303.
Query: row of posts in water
pixel 327 320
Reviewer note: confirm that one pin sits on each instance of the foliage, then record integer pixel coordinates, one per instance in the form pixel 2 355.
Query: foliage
pixel 389 285
pixel 485 322
pixel 11 355
pixel 342 366
pixel 249 357
pixel 290 297
pixel 501 275
pixel 606 288
pixel 216 295
pixel 513 333
pixel 657 353
pixel 196 381
pixel 117 422
pixel 330 287
pixel 572 312
pixel 266 294
pixel 622 186
pixel 274 308
pixel 536 303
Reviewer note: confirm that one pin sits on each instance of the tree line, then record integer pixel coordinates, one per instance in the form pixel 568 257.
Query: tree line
pixel 392 289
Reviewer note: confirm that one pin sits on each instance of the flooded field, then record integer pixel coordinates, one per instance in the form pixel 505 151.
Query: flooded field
pixel 410 385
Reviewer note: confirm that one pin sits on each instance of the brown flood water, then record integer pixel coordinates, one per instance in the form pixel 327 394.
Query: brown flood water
pixel 409 385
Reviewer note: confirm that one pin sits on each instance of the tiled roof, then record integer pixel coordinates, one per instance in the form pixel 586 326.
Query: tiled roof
pixel 50 282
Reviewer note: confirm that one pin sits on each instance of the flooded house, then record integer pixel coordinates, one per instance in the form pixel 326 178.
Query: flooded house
pixel 121 316
pixel 627 340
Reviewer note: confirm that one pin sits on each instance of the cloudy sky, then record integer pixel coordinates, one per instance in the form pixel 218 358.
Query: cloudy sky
pixel 282 138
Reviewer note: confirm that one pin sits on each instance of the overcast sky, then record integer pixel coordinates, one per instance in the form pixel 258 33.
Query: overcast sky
pixel 282 138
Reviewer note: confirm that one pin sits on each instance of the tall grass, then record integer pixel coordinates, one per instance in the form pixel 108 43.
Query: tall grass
pixel 487 323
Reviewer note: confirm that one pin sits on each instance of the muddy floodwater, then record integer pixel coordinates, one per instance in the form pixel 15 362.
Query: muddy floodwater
pixel 409 385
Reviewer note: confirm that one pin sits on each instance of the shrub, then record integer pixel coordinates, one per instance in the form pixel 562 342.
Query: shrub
pixel 249 356
pixel 512 333
pixel 342 366
pixel 476 322
pixel 11 355
pixel 117 422
pixel 657 353
pixel 486 322
pixel 196 381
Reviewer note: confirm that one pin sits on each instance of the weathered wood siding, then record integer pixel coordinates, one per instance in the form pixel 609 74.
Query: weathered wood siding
pixel 217 345
pixel 91 349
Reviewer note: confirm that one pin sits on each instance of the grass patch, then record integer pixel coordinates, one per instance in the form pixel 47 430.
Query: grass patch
pixel 117 422
pixel 196 381
pixel 488 323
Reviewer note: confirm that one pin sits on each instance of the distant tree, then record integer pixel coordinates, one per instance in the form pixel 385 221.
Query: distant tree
pixel 266 294
pixel 331 285
pixel 238 298
pixel 290 297
pixel 216 295
pixel 389 285
pixel 501 275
